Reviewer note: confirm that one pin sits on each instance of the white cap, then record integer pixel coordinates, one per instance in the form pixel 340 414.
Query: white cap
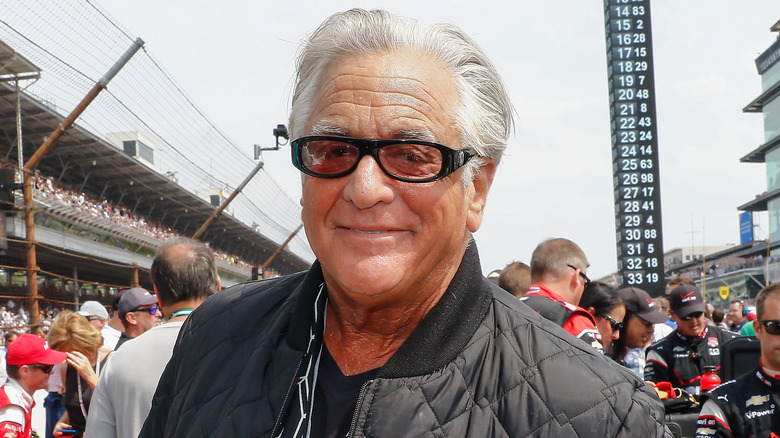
pixel 93 308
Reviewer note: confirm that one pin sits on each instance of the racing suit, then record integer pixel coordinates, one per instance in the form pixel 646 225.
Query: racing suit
pixel 745 407
pixel 15 411
pixel 680 359
pixel 574 319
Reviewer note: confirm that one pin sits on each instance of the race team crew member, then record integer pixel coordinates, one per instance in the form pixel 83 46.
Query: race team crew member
pixel 559 280
pixel 748 406
pixel 29 363
pixel 680 358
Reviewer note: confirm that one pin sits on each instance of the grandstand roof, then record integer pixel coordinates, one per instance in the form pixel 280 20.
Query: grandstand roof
pixel 85 162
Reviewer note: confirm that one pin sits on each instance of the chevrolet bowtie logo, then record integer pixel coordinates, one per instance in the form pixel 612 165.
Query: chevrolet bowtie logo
pixel 757 400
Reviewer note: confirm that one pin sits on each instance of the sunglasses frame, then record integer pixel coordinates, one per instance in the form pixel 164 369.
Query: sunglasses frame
pixel 582 274
pixel 694 315
pixel 615 324
pixel 48 369
pixel 147 309
pixel 775 330
pixel 452 159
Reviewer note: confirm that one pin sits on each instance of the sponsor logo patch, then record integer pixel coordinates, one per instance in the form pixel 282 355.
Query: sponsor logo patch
pixel 712 342
pixel 757 400
pixel 705 431
pixel 755 414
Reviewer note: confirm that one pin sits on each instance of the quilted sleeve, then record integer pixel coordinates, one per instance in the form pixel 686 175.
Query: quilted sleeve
pixel 645 418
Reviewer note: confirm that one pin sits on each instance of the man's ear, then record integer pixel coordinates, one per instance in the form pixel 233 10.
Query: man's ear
pixel 483 178
pixel 130 317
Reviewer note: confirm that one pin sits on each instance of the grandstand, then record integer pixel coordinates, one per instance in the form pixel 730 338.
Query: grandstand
pixel 137 156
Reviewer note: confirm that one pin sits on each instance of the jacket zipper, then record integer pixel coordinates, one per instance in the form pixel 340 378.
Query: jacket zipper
pixel 362 395
pixel 287 398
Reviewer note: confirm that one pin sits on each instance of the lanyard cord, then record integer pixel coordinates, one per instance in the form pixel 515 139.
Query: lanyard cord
pixel 78 380
pixel 180 312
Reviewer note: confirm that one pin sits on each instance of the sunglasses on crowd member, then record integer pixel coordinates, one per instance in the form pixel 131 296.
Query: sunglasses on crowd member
pixel 772 326
pixel 152 310
pixel 694 315
pixel 582 274
pixel 407 160
pixel 616 325
pixel 45 368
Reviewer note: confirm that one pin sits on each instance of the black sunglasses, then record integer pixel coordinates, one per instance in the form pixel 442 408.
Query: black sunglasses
pixel 616 325
pixel 407 160
pixel 582 274
pixel 772 326
pixel 152 310
pixel 45 368
pixel 693 315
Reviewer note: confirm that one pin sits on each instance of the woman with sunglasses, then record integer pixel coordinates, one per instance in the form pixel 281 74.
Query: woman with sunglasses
pixel 637 330
pixel 73 334
pixel 601 300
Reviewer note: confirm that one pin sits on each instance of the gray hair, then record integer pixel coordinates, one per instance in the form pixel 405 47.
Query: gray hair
pixel 552 258
pixel 484 113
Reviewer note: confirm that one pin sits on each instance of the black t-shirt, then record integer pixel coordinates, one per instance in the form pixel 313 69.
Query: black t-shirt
pixel 335 400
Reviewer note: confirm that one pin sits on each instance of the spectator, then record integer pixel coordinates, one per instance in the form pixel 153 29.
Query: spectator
pixel 637 331
pixel 139 311
pixel 717 318
pixel 602 301
pixel 30 363
pixel 184 274
pixel 113 330
pixel 515 278
pixel 72 333
pixel 393 331
pixel 738 314
pixel 96 314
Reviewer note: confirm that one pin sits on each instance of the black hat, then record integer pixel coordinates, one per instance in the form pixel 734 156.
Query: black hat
pixel 640 304
pixel 686 299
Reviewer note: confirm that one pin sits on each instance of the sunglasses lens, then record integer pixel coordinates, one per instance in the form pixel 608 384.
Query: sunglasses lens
pixel 694 315
pixel 772 327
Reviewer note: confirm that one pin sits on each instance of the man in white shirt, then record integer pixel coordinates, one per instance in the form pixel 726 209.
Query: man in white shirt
pixel 184 274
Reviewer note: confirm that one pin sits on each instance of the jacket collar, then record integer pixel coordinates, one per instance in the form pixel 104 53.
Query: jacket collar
pixel 447 328
pixel 440 336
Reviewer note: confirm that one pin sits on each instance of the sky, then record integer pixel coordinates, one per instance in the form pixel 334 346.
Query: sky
pixel 235 59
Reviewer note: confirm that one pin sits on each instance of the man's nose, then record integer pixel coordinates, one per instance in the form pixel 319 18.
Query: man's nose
pixel 368 185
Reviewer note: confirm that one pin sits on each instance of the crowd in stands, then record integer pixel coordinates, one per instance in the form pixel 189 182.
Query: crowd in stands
pixel 117 214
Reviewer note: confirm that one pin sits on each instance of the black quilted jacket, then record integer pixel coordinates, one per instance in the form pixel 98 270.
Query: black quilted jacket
pixel 480 364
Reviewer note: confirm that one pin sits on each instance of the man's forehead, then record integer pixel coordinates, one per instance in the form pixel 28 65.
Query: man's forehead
pixel 406 94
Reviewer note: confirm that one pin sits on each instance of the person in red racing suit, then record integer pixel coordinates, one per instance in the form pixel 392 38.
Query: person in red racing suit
pixel 558 273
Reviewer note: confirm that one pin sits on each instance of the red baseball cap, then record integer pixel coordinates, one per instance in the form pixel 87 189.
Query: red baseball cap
pixel 27 349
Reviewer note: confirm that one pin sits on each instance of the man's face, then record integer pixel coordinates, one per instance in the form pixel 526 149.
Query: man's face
pixel 97 322
pixel 36 378
pixel 735 311
pixel 690 327
pixel 144 318
pixel 373 234
pixel 770 344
